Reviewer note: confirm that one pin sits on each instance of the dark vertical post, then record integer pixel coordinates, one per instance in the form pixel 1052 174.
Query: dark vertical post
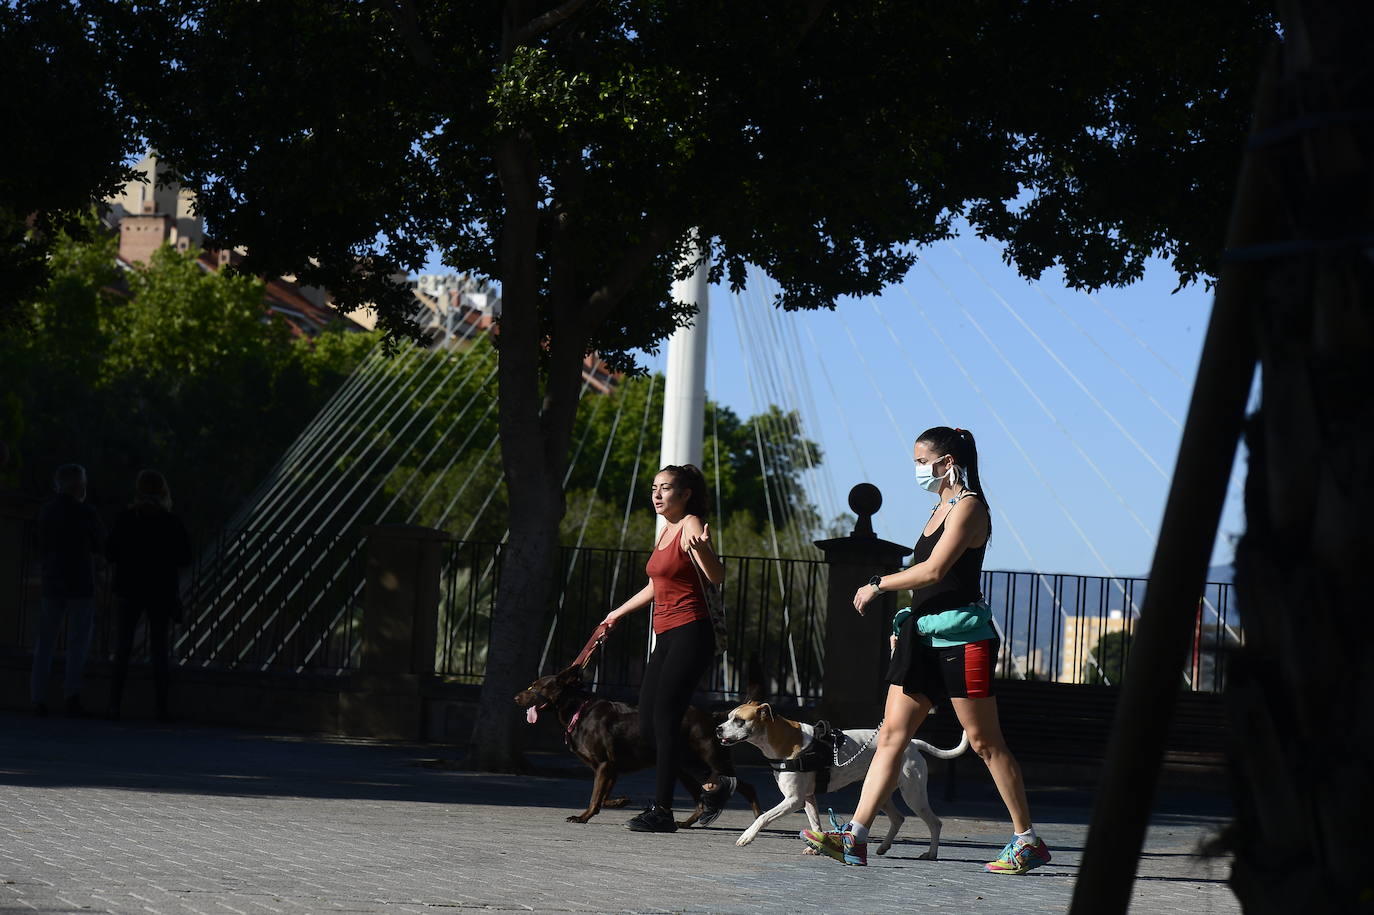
pixel 398 633
pixel 856 647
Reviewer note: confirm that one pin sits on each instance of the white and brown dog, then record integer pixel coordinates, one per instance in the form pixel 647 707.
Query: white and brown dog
pixel 783 739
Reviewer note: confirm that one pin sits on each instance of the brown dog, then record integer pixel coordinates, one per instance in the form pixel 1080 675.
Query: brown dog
pixel 605 735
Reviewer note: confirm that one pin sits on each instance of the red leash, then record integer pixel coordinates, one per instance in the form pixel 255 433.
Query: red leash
pixel 584 657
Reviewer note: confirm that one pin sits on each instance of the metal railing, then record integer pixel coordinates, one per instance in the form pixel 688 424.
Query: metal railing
pixel 1079 628
pixel 775 613
pixel 269 600
pixel 292 602
pixel 252 600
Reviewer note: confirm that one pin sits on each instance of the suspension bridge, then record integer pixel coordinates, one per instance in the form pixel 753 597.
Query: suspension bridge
pixel 1075 450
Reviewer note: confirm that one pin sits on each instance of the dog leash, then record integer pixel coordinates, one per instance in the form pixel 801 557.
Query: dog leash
pixel 860 752
pixel 584 657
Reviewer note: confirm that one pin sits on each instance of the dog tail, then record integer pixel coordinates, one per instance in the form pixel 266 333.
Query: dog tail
pixel 944 754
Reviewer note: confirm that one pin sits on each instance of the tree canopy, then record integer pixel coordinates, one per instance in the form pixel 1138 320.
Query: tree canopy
pixel 68 134
pixel 818 142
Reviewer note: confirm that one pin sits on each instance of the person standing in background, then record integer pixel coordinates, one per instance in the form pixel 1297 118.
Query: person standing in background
pixel 68 536
pixel 148 546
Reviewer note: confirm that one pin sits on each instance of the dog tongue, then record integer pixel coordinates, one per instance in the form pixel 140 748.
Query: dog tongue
pixel 531 714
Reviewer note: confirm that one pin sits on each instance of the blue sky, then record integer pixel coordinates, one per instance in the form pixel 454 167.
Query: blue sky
pixel 1075 454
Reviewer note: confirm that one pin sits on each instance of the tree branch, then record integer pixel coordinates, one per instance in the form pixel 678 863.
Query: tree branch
pixel 407 22
pixel 541 24
pixel 813 14
pixel 604 300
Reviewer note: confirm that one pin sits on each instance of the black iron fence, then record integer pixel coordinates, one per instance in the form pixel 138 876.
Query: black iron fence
pixel 1080 628
pixel 252 600
pixel 775 614
pixel 270 600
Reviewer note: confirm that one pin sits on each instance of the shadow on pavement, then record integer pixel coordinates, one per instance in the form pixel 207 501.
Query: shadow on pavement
pixel 195 759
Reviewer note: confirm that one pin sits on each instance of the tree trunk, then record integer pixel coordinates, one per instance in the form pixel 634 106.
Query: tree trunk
pixel 535 493
pixel 1302 738
pixel 526 590
pixel 536 423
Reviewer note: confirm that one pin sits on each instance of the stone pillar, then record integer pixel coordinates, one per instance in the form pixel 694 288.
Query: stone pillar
pixel 399 632
pixel 856 647
pixel 401 599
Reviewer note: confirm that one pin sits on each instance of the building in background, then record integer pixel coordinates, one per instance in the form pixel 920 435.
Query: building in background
pixel 148 215
pixel 452 308
pixel 1082 656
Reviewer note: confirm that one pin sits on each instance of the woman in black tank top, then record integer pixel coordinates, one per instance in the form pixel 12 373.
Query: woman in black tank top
pixel 945 651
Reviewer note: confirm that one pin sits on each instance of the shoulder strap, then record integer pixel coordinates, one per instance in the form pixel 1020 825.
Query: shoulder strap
pixel 701 573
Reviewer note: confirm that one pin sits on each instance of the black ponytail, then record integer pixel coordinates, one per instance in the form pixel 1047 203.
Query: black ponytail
pixel 959 443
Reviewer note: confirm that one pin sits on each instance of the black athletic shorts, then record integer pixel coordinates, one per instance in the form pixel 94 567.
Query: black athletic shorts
pixel 956 672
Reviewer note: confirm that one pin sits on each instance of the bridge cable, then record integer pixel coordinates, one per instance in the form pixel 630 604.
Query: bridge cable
pixel 768 499
pixel 1060 362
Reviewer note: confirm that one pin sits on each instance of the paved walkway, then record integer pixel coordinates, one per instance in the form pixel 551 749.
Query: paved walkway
pixel 131 817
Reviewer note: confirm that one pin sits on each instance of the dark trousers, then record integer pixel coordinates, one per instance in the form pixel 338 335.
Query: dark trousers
pixel 681 655
pixel 158 624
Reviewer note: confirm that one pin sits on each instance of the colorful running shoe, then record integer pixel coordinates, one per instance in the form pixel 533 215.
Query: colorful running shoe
pixel 832 836
pixel 839 845
pixel 1018 857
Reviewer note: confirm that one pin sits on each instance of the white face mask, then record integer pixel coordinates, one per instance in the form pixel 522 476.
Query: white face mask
pixel 926 478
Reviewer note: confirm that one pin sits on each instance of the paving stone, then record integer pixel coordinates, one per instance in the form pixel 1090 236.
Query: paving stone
pixel 132 818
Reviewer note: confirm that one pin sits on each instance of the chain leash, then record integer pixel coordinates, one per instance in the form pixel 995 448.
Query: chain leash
pixel 860 752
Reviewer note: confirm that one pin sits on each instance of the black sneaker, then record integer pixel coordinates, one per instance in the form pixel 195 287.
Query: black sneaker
pixel 713 801
pixel 653 819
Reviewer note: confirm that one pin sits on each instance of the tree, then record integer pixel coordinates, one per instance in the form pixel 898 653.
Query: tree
pixel 1108 662
pixel 614 458
pixel 1293 297
pixel 1302 738
pixel 67 136
pixel 576 153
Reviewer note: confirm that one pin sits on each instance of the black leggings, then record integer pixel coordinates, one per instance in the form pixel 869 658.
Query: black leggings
pixel 681 655
pixel 158 624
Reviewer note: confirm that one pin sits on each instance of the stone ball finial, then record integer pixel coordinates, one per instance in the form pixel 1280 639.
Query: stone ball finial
pixel 864 500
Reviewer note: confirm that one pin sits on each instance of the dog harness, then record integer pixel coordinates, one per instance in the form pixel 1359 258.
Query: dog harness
pixel 572 724
pixel 818 757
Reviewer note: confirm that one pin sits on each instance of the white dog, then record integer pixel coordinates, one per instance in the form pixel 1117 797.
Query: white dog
pixel 782 739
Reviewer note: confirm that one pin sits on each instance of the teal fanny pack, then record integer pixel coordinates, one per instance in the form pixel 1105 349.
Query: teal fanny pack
pixel 956 626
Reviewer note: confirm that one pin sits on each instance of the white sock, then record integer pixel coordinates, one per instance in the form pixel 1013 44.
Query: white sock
pixel 1028 836
pixel 859 831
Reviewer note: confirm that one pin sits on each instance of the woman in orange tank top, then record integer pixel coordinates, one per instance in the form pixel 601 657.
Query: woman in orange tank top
pixel 685 642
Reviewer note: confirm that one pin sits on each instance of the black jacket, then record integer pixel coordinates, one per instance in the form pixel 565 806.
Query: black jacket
pixel 68 535
pixel 148 547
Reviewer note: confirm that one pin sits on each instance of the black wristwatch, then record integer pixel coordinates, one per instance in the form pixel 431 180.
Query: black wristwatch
pixel 876 583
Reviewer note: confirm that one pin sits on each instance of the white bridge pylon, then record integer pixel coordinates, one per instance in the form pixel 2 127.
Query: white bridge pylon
pixel 684 391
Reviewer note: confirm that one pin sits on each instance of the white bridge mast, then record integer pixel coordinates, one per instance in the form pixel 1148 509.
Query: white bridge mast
pixel 684 391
